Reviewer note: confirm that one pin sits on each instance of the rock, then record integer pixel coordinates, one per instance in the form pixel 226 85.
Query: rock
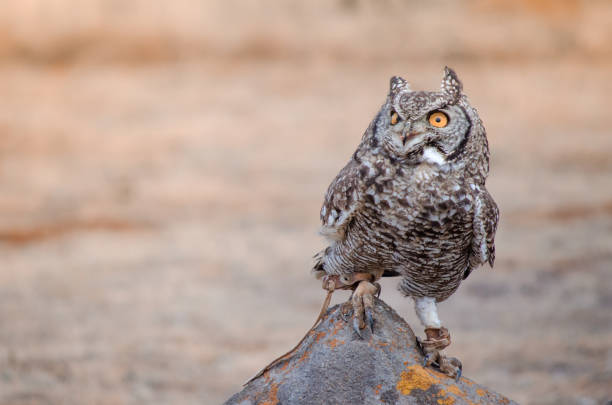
pixel 334 366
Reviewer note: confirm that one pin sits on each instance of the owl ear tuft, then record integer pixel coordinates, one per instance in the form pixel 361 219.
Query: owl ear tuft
pixel 451 85
pixel 397 83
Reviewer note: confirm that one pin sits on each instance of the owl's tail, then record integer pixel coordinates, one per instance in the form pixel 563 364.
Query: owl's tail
pixel 319 264
pixel 319 270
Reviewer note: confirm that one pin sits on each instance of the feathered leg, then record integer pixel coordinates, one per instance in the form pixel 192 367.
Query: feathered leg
pixel 437 338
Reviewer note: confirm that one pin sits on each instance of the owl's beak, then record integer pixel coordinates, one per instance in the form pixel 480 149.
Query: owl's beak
pixel 410 135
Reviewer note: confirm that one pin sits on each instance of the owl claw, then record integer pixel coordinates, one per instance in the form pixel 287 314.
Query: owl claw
pixel 450 366
pixel 356 327
pixel 346 311
pixel 369 319
pixel 363 306
pixel 430 358
pixel 459 372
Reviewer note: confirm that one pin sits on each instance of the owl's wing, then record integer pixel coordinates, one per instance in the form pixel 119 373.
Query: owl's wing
pixel 486 216
pixel 342 200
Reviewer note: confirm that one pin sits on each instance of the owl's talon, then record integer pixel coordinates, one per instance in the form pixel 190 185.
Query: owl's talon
pixel 363 305
pixel 430 358
pixel 450 366
pixel 346 311
pixel 459 372
pixel 356 327
pixel 369 319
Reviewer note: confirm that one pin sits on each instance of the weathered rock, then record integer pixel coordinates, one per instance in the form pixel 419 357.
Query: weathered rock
pixel 334 366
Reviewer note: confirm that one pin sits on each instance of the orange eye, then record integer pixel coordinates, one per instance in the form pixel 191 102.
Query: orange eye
pixel 438 119
pixel 394 118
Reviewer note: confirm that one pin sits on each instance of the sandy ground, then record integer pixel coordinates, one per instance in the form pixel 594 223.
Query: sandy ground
pixel 159 215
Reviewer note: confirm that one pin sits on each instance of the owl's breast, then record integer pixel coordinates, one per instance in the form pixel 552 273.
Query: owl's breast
pixel 425 198
pixel 424 222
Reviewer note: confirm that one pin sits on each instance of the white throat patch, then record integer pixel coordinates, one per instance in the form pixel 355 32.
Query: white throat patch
pixel 432 155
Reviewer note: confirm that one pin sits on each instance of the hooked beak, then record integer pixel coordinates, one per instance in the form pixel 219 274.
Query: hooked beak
pixel 410 135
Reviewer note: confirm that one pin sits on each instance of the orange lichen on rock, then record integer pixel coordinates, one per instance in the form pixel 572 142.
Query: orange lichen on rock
pixel 272 395
pixel 446 401
pixel 338 326
pixel 481 392
pixel 304 356
pixel 455 390
pixel 444 398
pixel 415 377
pixel 334 343
pixel 332 350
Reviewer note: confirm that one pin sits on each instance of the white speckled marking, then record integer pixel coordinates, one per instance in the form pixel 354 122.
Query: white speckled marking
pixel 432 155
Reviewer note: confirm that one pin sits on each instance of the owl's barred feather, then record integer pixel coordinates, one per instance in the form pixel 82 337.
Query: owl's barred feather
pixel 412 199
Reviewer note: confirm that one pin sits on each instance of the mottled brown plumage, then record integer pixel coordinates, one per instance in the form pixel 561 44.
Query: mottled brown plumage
pixel 412 199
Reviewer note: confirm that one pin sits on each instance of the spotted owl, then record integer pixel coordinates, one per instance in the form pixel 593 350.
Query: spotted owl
pixel 412 202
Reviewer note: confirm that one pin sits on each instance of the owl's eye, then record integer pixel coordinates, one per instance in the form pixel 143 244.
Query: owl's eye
pixel 438 119
pixel 394 118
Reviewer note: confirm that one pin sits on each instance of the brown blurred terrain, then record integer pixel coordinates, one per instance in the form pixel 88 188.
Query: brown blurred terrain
pixel 162 166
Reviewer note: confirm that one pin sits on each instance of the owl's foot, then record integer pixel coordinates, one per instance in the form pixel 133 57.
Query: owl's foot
pixel 362 301
pixel 437 340
pixel 451 366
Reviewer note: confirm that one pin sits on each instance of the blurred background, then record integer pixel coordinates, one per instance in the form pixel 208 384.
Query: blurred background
pixel 162 166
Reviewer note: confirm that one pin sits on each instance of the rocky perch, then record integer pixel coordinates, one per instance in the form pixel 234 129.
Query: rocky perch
pixel 334 366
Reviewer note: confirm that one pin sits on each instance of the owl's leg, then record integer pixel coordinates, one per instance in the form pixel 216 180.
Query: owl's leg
pixel 363 305
pixel 437 338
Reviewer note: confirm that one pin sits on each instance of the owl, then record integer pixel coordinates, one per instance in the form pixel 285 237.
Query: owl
pixel 412 203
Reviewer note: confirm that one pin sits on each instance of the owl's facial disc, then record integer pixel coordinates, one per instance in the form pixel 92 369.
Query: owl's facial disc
pixel 434 135
pixel 423 126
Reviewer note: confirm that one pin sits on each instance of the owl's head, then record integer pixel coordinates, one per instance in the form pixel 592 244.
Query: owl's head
pixel 426 126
